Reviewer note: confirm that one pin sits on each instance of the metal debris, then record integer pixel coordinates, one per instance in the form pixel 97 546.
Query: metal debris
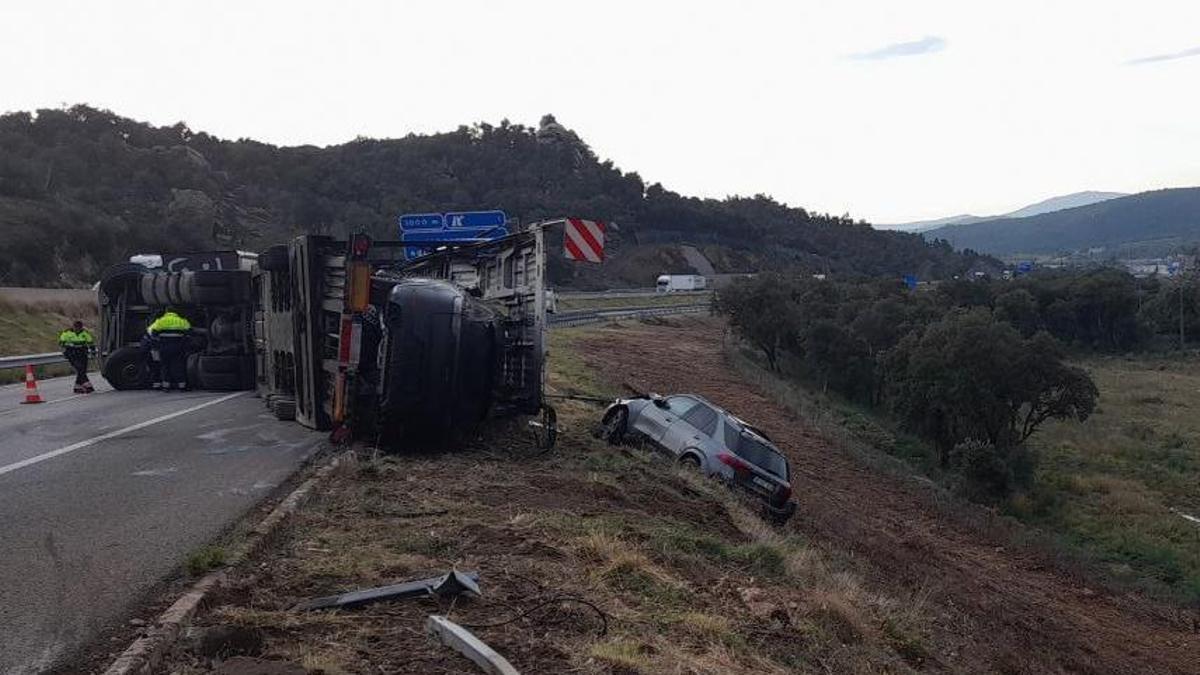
pixel 448 585
pixel 461 640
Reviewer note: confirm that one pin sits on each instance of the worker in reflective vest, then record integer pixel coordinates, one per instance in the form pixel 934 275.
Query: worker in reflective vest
pixel 77 343
pixel 170 331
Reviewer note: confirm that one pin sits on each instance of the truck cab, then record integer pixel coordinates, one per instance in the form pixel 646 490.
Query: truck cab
pixel 210 289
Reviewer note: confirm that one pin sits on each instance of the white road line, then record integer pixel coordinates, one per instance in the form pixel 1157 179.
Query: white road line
pixel 112 434
pixel 13 411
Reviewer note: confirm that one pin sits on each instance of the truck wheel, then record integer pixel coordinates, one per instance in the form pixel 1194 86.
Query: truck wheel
pixel 126 369
pixel 218 365
pixel 117 277
pixel 220 381
pixel 274 259
pixel 225 373
pixel 283 408
pixel 193 371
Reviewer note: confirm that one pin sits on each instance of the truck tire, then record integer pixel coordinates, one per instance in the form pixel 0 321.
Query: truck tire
pixel 220 381
pixel 118 277
pixel 218 365
pixel 274 259
pixel 225 373
pixel 283 408
pixel 126 368
pixel 193 371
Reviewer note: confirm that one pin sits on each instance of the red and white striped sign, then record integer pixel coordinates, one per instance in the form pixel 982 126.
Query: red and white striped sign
pixel 584 240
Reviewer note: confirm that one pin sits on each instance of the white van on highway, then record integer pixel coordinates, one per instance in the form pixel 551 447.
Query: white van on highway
pixel 671 283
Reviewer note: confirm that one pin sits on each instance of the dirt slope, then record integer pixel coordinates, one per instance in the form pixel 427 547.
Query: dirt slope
pixel 996 608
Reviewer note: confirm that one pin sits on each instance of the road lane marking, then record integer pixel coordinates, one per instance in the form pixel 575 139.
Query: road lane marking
pixel 13 411
pixel 112 434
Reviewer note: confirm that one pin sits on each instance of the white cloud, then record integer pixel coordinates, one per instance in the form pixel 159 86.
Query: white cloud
pixel 926 45
pixel 1195 51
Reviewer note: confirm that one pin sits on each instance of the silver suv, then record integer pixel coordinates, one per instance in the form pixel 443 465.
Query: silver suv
pixel 701 435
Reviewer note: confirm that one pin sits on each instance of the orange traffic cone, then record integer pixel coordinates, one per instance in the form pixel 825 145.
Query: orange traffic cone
pixel 31 390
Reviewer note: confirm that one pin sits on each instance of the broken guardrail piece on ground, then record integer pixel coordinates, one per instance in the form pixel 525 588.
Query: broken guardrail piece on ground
pixel 463 641
pixel 448 585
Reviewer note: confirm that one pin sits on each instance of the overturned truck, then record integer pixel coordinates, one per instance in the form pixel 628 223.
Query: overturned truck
pixel 347 335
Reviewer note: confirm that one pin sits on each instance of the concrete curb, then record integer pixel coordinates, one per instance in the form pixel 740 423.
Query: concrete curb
pixel 146 652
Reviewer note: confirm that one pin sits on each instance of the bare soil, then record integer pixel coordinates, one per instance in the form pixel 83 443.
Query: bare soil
pixel 995 606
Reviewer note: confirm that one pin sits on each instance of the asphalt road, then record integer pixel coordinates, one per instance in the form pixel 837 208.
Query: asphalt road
pixel 103 496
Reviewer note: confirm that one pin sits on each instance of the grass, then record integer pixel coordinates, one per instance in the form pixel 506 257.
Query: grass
pixel 31 329
pixel 1115 484
pixel 205 559
pixel 1106 492
pixel 27 328
pixel 662 300
pixel 569 372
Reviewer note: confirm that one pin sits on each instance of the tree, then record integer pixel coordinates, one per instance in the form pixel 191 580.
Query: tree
pixel 973 377
pixel 760 309
pixel 1019 308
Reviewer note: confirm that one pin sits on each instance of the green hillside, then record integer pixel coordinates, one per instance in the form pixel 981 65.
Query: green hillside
pixel 81 188
pixel 1148 222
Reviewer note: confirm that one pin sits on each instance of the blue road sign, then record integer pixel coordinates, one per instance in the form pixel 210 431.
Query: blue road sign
pixel 476 219
pixel 422 221
pixel 435 227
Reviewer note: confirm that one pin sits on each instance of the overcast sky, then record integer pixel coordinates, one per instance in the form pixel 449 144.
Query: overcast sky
pixel 889 110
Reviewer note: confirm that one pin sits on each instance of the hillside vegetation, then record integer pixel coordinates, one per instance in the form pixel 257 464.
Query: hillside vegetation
pixel 81 188
pixel 1052 398
pixel 1165 218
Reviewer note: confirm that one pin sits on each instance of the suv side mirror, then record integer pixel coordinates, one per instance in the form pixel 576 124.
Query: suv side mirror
pixel 660 402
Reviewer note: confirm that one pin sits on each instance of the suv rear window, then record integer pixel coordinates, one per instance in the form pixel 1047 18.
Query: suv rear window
pixel 763 456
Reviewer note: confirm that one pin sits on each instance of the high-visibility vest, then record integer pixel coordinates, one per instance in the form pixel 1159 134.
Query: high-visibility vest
pixel 69 338
pixel 168 323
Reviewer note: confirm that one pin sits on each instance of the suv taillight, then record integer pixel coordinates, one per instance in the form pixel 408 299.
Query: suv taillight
pixel 733 461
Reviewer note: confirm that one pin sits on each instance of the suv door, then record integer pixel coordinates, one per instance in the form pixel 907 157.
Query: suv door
pixel 658 415
pixel 694 429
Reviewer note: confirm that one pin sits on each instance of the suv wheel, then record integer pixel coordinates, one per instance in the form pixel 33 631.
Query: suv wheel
pixel 614 426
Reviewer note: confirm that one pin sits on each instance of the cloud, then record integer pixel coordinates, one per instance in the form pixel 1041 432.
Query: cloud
pixel 1194 51
pixel 926 45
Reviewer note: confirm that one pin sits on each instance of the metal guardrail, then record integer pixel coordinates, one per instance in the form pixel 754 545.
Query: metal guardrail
pixel 610 293
pixel 7 362
pixel 579 318
pixel 573 318
pixel 622 293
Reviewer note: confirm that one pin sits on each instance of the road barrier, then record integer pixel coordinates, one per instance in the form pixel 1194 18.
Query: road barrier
pixel 7 362
pixel 582 317
pixel 573 318
pixel 622 293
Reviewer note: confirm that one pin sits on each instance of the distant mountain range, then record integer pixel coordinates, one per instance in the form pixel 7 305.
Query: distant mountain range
pixel 1147 223
pixel 1050 205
